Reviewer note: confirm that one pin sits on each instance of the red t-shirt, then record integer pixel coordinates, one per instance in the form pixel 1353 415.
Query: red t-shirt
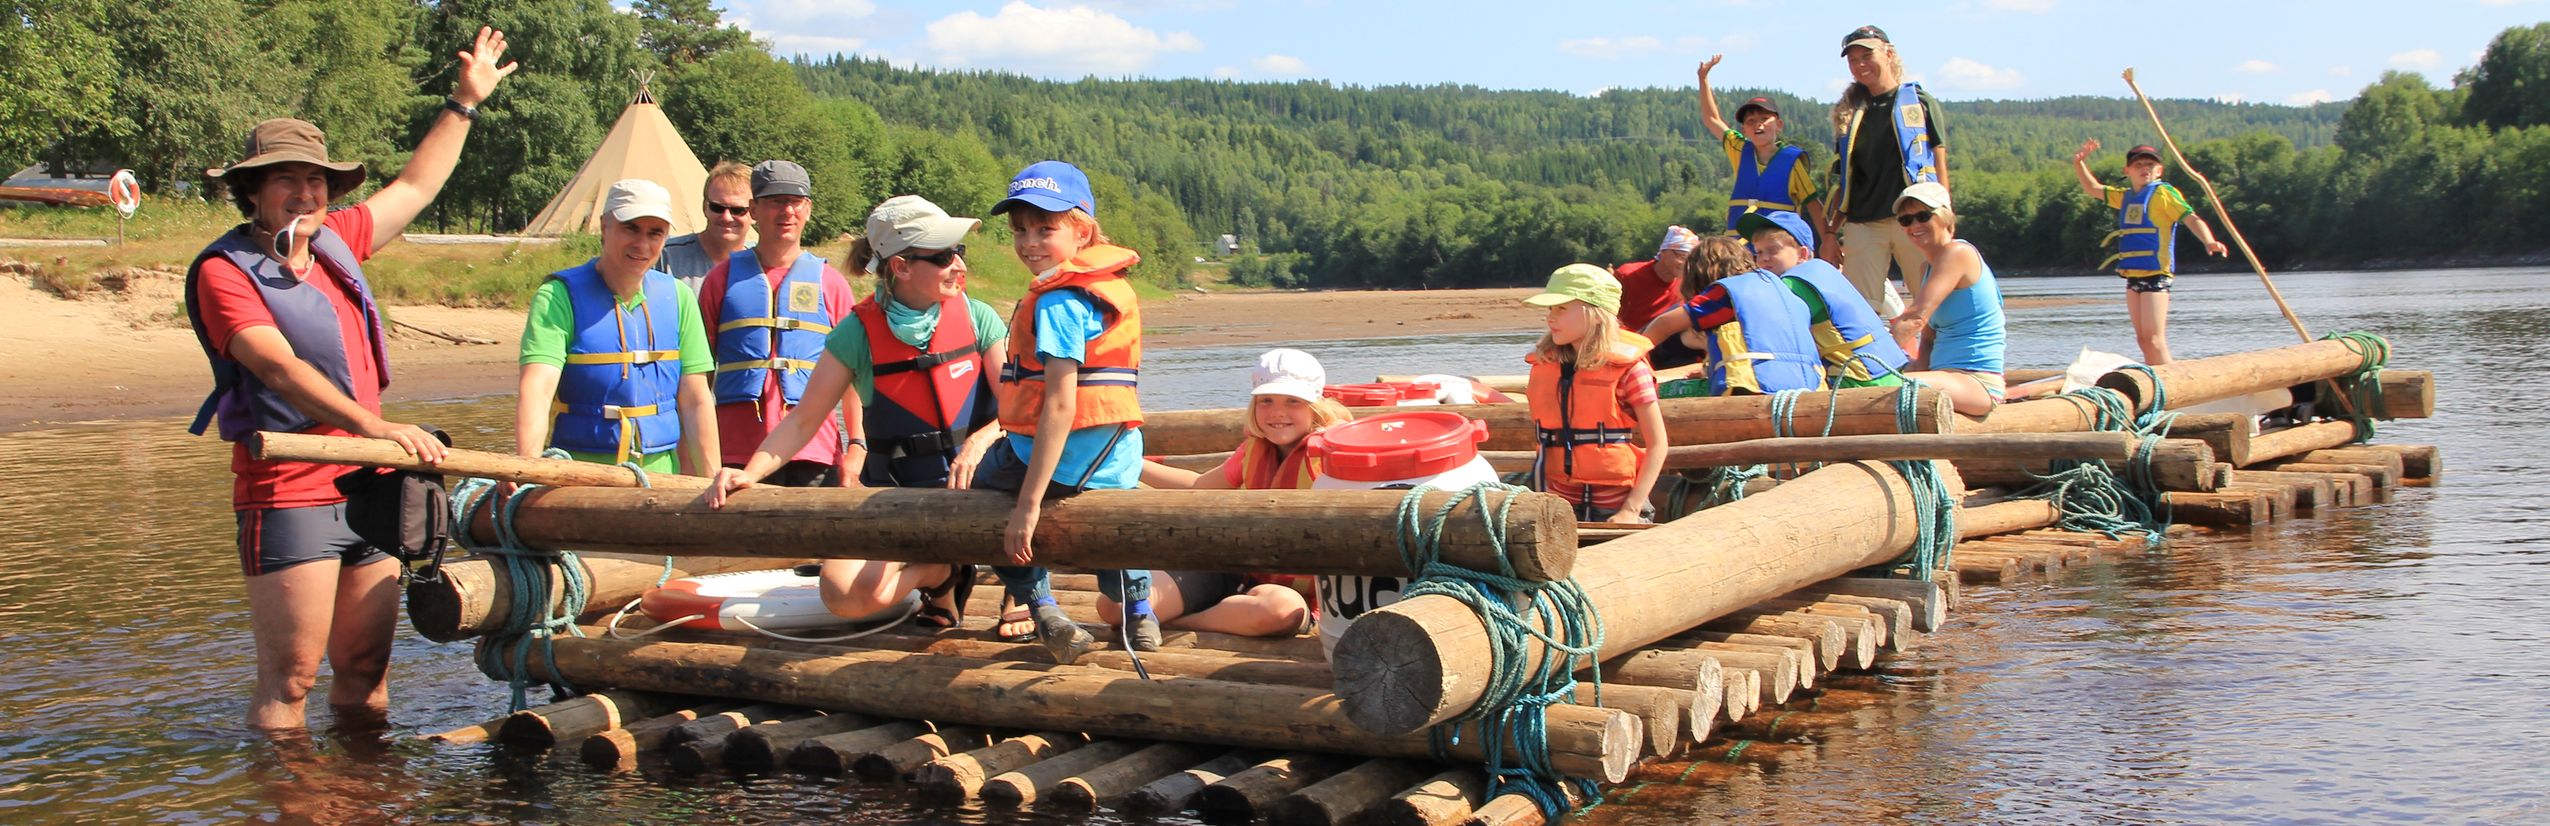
pixel 1643 295
pixel 230 303
pixel 742 425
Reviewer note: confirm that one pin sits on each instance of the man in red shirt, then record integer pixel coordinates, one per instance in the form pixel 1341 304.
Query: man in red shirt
pixel 281 308
pixel 768 310
pixel 1649 288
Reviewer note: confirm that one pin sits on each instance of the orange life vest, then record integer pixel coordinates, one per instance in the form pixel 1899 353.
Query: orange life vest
pixel 1585 432
pixel 1111 374
pixel 1257 468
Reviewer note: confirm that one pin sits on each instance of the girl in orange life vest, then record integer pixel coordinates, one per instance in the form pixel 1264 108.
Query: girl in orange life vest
pixel 2152 207
pixel 1285 407
pixel 1594 400
pixel 1071 408
pixel 917 252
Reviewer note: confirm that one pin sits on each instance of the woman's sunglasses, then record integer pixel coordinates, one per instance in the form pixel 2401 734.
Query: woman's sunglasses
pixel 939 259
pixel 1911 218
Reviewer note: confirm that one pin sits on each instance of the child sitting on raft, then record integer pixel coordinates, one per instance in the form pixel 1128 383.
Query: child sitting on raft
pixel 1593 398
pixel 1759 335
pixel 1285 407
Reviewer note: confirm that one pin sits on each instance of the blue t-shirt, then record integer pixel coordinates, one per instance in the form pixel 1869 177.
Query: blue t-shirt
pixel 1065 322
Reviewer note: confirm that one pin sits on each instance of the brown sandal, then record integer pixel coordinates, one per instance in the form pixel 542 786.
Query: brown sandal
pixel 959 584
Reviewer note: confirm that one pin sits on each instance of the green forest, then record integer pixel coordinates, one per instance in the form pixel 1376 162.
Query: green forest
pixel 1326 185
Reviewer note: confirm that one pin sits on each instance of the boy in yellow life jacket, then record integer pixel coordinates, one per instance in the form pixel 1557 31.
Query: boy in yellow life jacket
pixel 2148 213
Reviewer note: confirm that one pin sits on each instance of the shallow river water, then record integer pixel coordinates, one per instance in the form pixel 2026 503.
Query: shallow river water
pixel 2382 663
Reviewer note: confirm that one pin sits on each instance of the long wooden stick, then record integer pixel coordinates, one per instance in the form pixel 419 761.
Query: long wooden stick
pixel 2219 211
pixel 344 450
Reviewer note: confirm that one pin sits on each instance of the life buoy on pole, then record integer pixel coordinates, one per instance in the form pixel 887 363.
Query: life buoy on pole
pixel 124 192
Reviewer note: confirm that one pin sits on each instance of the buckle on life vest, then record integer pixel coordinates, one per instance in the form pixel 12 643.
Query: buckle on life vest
pixel 779 322
pixel 927 361
pixel 769 363
pixel 931 443
pixel 633 357
pixel 608 411
pixel 1567 436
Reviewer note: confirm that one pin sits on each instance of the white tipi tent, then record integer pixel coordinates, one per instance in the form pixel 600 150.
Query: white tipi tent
pixel 641 145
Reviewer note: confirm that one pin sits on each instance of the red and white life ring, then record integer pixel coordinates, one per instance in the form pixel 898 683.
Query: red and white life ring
pixel 124 192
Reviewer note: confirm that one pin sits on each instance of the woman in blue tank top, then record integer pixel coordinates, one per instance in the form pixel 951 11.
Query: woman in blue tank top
pixel 1958 308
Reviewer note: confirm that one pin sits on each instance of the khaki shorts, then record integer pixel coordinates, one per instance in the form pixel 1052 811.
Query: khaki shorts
pixel 1992 382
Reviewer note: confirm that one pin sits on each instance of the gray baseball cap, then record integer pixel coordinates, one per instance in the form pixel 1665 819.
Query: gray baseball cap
pixel 781 178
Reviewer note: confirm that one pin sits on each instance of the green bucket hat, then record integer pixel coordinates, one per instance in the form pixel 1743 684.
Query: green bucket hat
pixel 1580 282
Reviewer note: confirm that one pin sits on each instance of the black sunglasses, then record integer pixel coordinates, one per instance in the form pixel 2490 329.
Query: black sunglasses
pixel 1910 219
pixel 715 209
pixel 939 259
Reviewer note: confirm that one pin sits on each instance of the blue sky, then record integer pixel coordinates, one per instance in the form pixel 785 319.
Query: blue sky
pixel 2266 52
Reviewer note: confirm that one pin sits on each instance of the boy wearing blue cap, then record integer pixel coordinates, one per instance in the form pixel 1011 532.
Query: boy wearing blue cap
pixel 2148 213
pixel 1857 349
pixel 1071 407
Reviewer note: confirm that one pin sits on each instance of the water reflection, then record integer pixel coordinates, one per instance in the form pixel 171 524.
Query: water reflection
pixel 2380 663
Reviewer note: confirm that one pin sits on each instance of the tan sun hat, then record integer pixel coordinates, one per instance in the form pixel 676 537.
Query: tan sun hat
pixel 290 140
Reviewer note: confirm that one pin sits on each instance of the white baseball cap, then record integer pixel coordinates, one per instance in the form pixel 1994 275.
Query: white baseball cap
pixel 909 222
pixel 634 198
pixel 1287 372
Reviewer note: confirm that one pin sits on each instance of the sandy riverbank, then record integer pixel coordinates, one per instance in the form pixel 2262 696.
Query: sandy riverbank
pixel 123 351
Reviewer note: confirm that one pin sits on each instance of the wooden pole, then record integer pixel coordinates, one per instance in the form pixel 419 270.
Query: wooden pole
pixel 1245 797
pixel 896 760
pixel 2311 490
pixel 2220 509
pixel 2177 464
pixel 2407 394
pixel 1809 656
pixel 1927 600
pixel 1421 661
pixel 700 755
pixel 503 467
pixel 2416 461
pixel 1037 781
pixel 1584 742
pixel 1860 412
pixel 1349 532
pixel 472 597
pixel 960 776
pixel 760 748
pixel 2220 211
pixel 2227 433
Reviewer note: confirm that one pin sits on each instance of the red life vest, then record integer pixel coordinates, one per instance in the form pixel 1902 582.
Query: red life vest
pixel 925 403
pixel 1111 374
pixel 1585 432
pixel 1255 467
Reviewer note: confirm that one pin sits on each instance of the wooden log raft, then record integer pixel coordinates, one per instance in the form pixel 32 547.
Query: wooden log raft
pixel 1349 532
pixel 1860 412
pixel 1421 661
pixel 472 597
pixel 2197 381
pixel 1584 742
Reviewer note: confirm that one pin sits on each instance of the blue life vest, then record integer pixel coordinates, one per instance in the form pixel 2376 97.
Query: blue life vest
pixel 925 403
pixel 755 335
pixel 306 319
pixel 2141 244
pixel 1766 190
pixel 1770 346
pixel 1854 342
pixel 617 392
pixel 1912 140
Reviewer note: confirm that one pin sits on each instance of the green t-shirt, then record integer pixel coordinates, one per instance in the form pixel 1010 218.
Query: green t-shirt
pixel 849 342
pixel 551 325
pixel 1815 309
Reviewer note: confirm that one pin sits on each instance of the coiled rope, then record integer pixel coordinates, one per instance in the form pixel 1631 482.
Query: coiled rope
pixel 2364 386
pixel 529 619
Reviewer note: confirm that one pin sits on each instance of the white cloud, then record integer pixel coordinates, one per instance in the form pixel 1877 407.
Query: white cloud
pixel 2341 71
pixel 2418 60
pixel 1280 65
pixel 1609 48
pixel 1970 75
pixel 1600 91
pixel 814 27
pixel 2257 67
pixel 2028 6
pixel 2311 97
pixel 1064 40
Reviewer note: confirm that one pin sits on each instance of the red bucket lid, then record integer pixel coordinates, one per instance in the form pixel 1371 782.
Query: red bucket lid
pixel 1363 395
pixel 1413 390
pixel 1398 446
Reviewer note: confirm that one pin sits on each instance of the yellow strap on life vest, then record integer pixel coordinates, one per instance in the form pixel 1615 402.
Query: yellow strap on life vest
pixel 612 411
pixel 1760 205
pixel 2112 259
pixel 633 357
pixel 780 322
pixel 771 363
pixel 2111 237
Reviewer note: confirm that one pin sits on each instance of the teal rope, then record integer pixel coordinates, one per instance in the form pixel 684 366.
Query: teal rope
pixel 2092 497
pixel 527 620
pixel 1556 614
pixel 1934 510
pixel 2364 386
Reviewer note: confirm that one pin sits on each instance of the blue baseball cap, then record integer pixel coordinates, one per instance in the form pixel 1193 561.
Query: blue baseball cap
pixel 1751 222
pixel 1052 186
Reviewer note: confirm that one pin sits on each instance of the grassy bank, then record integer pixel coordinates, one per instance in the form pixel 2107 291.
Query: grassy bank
pixel 166 234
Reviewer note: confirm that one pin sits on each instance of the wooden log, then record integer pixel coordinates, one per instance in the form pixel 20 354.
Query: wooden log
pixel 1714 420
pixel 618 749
pixel 1350 532
pixel 1176 792
pixel 479 733
pixel 1442 800
pixel 1697 678
pixel 2028 560
pixel 1032 783
pixel 717 726
pixel 2177 464
pixel 760 748
pixel 473 596
pixel 1926 601
pixel 701 755
pixel 1846 614
pixel 1508 810
pixel 1659 711
pixel 2383 477
pixel 506 467
pixel 899 759
pixel 1084 791
pixel 1778 672
pixel 2281 500
pixel 961 776
pixel 1247 795
pixel 582 717
pixel 2407 394
pixel 1584 742
pixel 834 755
pixel 2299 439
pixel 2220 509
pixel 1420 661
pixel 2311 490
pixel 1809 662
pixel 2227 433
pixel 1342 798
pixel 1981 570
pixel 1833 645
pixel 1893 615
pixel 2005 516
pixel 2393 466
pixel 2055 415
pixel 2196 381
pixel 2416 461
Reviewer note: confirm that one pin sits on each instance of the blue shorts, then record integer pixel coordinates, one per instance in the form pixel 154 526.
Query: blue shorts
pixel 272 539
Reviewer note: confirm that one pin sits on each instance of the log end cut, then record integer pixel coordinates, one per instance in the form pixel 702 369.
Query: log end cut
pixel 1393 675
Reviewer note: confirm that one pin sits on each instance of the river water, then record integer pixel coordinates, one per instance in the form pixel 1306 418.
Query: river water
pixel 2382 663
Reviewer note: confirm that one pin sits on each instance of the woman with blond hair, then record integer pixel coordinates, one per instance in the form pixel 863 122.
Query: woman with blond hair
pixel 1888 135
pixel 1958 307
